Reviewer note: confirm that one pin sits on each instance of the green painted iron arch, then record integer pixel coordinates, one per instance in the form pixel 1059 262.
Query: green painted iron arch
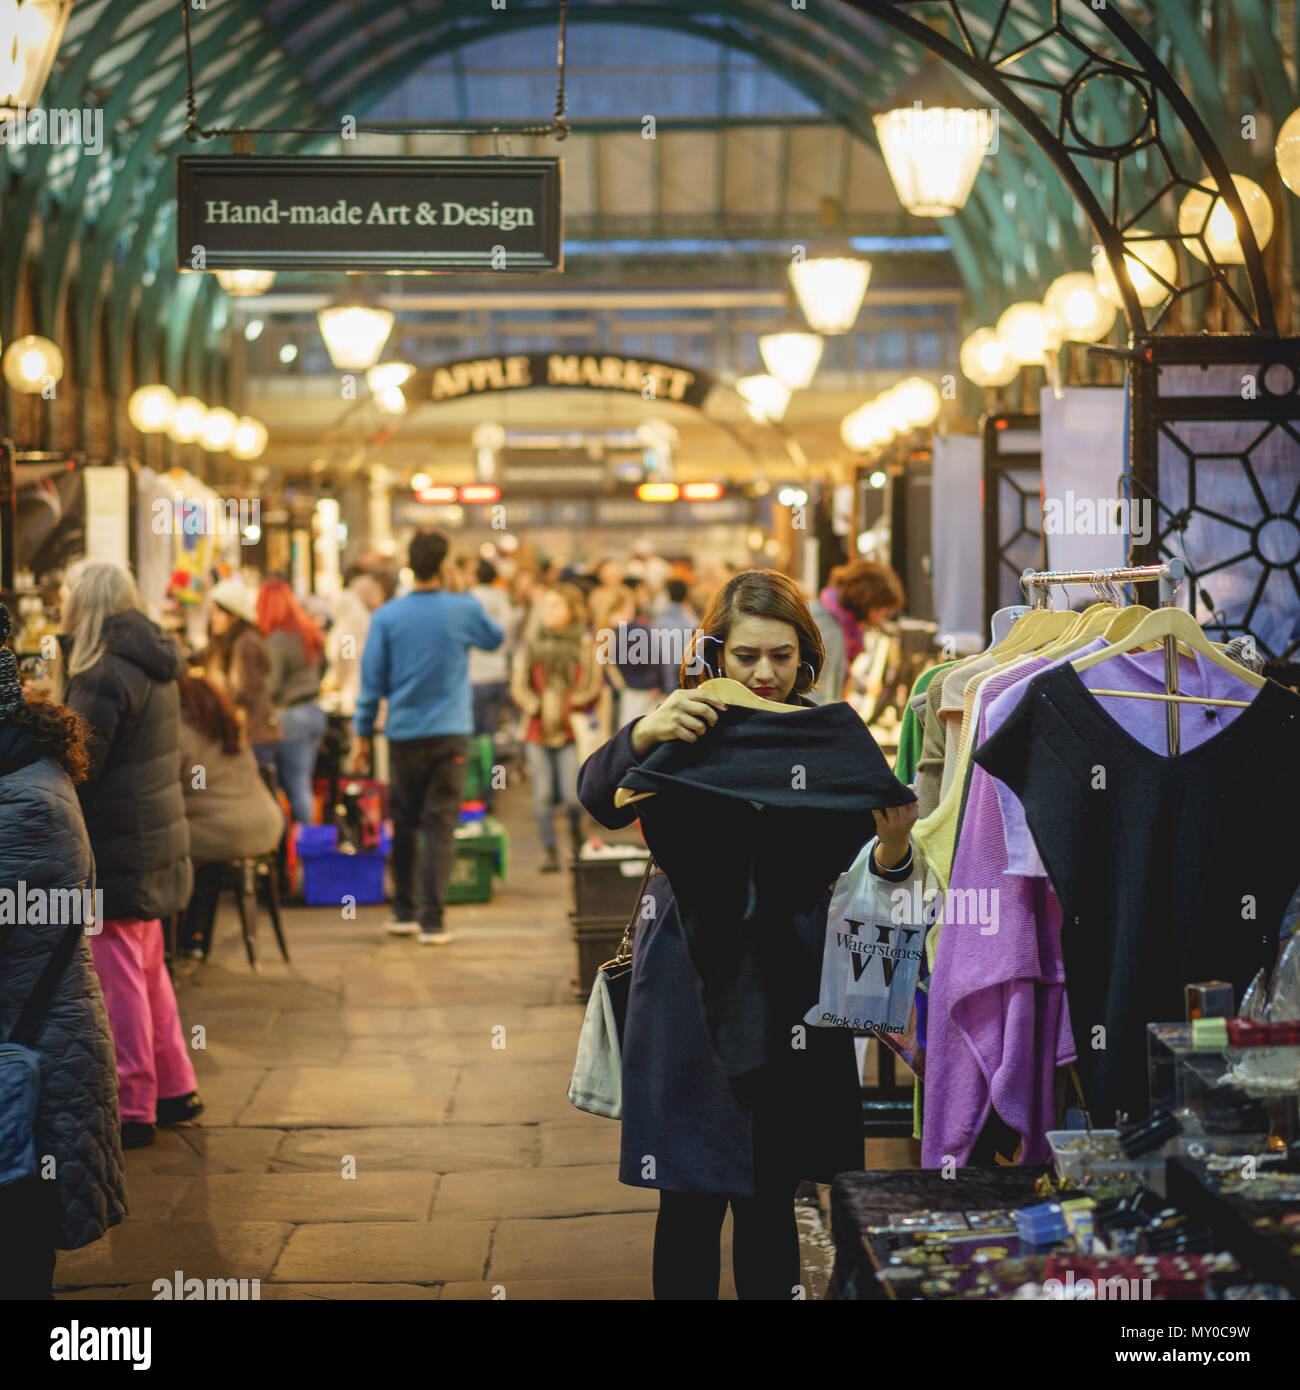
pixel 844 55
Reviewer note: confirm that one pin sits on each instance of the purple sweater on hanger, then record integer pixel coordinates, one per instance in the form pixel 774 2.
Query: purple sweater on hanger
pixel 999 1024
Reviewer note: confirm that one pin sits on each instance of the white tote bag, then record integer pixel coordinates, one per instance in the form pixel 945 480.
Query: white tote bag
pixel 597 1084
pixel 875 933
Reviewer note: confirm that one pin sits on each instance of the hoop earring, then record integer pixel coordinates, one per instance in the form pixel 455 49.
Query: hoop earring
pixel 812 675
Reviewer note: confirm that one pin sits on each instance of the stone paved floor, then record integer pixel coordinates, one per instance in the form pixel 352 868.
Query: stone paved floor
pixel 386 1120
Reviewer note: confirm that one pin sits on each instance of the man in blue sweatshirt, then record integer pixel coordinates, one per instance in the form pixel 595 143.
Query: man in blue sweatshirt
pixel 417 656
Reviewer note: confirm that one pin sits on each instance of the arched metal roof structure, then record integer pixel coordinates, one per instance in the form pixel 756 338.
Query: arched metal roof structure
pixel 104 225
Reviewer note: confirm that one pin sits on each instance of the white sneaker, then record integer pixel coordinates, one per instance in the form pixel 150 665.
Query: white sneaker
pixel 436 938
pixel 397 927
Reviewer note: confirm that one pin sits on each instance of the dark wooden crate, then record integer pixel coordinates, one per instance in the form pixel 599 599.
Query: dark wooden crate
pixel 602 889
pixel 597 941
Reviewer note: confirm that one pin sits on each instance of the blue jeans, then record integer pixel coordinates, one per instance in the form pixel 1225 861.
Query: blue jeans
pixel 294 757
pixel 553 773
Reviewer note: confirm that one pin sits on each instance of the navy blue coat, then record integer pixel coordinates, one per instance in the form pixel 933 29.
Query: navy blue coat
pixel 43 844
pixel 685 1128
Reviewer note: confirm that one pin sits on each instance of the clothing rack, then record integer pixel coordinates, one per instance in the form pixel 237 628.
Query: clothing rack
pixel 1169 575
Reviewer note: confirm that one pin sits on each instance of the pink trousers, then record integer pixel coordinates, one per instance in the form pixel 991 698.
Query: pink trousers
pixel 152 1059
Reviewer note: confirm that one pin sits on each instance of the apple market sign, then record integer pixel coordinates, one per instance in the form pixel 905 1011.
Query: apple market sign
pixel 321 212
pixel 651 380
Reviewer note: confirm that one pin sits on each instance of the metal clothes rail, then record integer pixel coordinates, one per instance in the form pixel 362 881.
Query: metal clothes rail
pixel 1169 576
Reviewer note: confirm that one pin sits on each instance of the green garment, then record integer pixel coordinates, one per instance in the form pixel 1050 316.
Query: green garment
pixel 911 731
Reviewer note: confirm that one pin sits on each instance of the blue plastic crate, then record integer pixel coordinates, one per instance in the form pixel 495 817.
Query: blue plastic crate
pixel 328 876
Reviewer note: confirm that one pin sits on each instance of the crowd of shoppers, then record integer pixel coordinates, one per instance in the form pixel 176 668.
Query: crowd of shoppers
pixel 161 768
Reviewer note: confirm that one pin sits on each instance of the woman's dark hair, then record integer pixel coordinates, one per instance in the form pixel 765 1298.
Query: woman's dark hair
pixel 207 709
pixel 485 572
pixel 755 594
pixel 221 646
pixel 61 732
pixel 864 585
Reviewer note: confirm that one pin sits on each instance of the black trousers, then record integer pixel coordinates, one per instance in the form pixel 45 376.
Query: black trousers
pixel 426 779
pixel 27 1232
pixel 764 1249
pixel 201 913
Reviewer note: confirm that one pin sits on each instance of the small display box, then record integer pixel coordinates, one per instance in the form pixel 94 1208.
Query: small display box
pixel 330 876
pixel 1240 1091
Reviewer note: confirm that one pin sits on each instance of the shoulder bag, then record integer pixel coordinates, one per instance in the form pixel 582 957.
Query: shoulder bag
pixel 597 1084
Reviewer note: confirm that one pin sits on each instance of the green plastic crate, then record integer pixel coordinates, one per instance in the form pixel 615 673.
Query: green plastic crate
pixel 478 768
pixel 471 873
pixel 478 858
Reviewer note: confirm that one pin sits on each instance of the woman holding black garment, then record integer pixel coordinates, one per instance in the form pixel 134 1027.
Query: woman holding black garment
pixel 719 1111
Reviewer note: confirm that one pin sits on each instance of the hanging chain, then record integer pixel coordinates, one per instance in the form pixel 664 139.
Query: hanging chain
pixel 558 127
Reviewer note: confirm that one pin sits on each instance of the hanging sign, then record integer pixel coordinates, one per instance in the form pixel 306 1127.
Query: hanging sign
pixel 322 212
pixel 651 380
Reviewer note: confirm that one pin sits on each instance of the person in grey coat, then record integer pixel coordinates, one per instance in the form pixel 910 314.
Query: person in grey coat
pixel 122 671
pixel 81 1192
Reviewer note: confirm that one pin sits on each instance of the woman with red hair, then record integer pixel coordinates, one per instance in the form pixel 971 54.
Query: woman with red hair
pixel 296 648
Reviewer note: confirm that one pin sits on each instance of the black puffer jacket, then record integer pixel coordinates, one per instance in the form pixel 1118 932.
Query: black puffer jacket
pixel 135 810
pixel 43 845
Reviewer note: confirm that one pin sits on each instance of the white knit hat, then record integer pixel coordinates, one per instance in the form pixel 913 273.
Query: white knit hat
pixel 233 596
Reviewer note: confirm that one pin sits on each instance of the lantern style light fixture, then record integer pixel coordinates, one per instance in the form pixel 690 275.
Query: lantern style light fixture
pixel 933 138
pixel 1206 213
pixel 865 428
pixel 242 283
pixel 919 401
pixel 1287 151
pixel 1152 265
pixel 791 357
pixel 151 408
pixel 1076 311
pixel 187 420
pixel 30 33
pixel 893 409
pixel 933 155
pixel 30 362
pixel 250 438
pixel 386 374
pixel 1025 331
pixel 355 332
pixel 391 400
pixel 986 360
pixel 765 397
pixel 831 279
pixel 217 433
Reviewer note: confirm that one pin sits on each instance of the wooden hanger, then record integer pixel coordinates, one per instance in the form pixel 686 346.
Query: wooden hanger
pixel 730 693
pixel 1178 624
pixel 733 693
pixel 1038 627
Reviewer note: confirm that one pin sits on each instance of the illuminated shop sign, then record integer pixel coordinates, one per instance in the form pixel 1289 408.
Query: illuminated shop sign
pixel 648 379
